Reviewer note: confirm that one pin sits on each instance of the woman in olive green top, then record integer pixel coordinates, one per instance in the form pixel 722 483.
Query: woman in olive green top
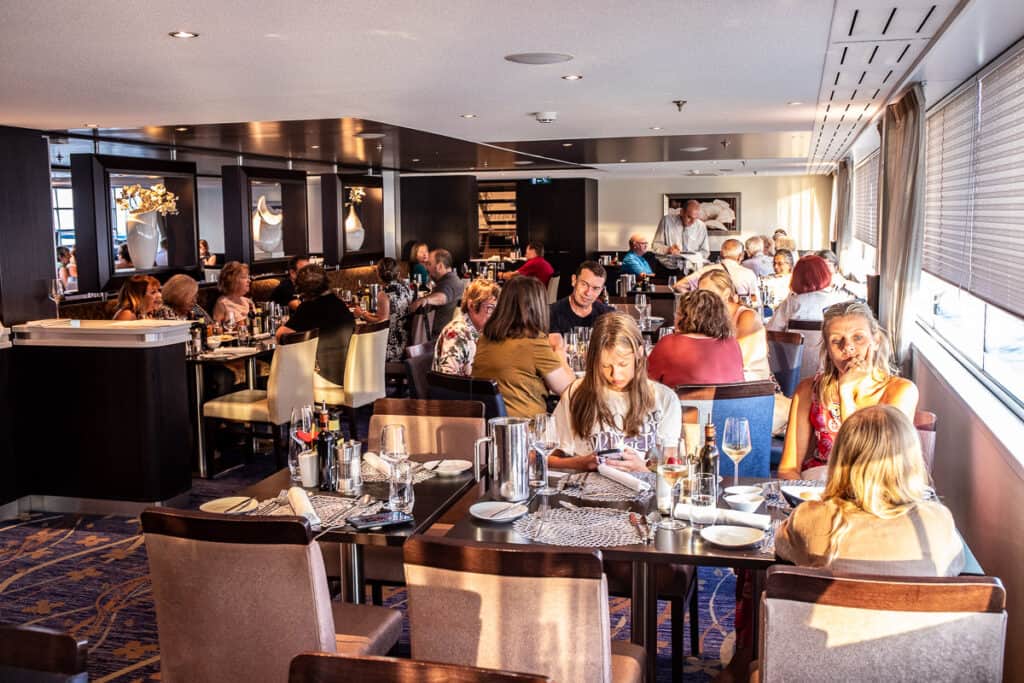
pixel 514 350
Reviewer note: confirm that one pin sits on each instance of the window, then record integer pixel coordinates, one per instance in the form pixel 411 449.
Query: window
pixel 973 285
pixel 63 213
pixel 865 200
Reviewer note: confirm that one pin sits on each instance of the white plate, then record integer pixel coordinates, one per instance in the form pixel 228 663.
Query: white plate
pixel 503 511
pixel 798 494
pixel 732 536
pixel 448 467
pixel 743 490
pixel 222 504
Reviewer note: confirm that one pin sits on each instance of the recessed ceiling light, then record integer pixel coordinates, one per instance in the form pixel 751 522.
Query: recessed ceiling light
pixel 181 129
pixel 794 103
pixel 655 127
pixel 314 146
pixel 538 57
pixel 468 116
pixel 693 149
pixel 522 162
pixel 572 77
pixel 92 125
pixel 378 136
pixel 622 161
pixel 183 34
pixel 566 144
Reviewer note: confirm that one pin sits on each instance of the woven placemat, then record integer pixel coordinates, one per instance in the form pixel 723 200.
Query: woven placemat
pixel 332 510
pixel 599 488
pixel 583 527
pixel 373 475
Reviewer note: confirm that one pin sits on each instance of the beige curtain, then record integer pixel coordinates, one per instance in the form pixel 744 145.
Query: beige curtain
pixel 901 219
pixel 844 214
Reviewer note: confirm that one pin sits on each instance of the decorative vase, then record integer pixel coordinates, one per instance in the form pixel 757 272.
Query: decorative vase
pixel 354 233
pixel 143 238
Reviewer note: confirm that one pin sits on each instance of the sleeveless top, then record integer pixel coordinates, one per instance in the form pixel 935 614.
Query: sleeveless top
pixel 755 366
pixel 825 422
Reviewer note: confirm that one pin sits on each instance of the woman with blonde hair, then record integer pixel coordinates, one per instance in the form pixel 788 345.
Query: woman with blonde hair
pixel 456 345
pixel 180 296
pixel 703 349
pixel 233 305
pixel 747 326
pixel 856 373
pixel 139 298
pixel 615 411
pixel 878 513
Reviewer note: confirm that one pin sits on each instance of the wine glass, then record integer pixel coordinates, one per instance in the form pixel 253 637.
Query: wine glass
pixel 673 471
pixel 736 443
pixel 544 439
pixel 641 307
pixel 393 447
pixel 56 293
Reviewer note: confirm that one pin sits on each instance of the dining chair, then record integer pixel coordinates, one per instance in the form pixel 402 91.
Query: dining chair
pixel 452 387
pixel 752 400
pixel 317 667
pixel 364 373
pixel 926 422
pixel 816 624
pixel 419 359
pixel 444 428
pixel 810 330
pixel 35 653
pixel 785 358
pixel 237 597
pixel 553 282
pixel 533 609
pixel 290 385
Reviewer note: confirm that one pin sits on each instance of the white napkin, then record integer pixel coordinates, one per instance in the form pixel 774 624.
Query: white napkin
pixel 301 506
pixel 751 519
pixel 374 461
pixel 624 478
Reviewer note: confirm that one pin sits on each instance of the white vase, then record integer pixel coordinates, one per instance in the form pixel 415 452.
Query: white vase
pixel 143 238
pixel 354 233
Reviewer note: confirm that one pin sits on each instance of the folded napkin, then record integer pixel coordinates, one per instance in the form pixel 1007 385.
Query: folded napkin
pixel 374 461
pixel 752 519
pixel 301 506
pixel 624 478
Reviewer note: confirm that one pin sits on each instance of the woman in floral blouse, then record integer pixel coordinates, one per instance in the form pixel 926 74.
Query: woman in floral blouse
pixel 456 345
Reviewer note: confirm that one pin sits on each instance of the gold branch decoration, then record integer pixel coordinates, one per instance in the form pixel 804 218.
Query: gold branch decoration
pixel 355 196
pixel 138 199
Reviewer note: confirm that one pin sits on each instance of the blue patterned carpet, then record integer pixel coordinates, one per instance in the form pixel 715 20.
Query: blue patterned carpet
pixel 89 575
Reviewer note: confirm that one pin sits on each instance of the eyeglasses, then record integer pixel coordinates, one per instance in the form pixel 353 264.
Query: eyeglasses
pixel 585 286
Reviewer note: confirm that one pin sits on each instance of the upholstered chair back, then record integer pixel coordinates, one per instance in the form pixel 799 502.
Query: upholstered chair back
pixel 291 377
pixel 445 428
pixel 498 606
pixel 236 597
pixel 817 626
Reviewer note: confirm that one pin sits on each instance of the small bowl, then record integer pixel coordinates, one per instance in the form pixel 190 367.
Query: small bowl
pixel 743 491
pixel 744 502
pixel 213 342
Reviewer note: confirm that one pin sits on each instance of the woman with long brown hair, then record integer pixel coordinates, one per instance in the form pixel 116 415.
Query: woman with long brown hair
pixel 139 298
pixel 703 349
pixel 514 350
pixel 614 410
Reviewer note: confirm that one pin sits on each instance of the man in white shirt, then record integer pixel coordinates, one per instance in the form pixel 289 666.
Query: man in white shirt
pixel 757 260
pixel 680 238
pixel 743 279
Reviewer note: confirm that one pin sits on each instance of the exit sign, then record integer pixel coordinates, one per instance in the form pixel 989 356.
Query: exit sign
pixel 540 181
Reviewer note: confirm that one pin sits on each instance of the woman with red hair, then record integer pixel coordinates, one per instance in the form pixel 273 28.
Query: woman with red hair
pixel 811 293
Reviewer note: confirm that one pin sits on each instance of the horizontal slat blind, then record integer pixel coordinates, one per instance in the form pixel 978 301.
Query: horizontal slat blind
pixel 948 181
pixel 865 200
pixel 998 239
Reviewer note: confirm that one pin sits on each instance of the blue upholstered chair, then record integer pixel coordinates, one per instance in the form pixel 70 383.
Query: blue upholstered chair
pixel 810 330
pixel 752 400
pixel 448 387
pixel 785 356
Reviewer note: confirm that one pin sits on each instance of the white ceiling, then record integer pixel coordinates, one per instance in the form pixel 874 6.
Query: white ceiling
pixel 422 64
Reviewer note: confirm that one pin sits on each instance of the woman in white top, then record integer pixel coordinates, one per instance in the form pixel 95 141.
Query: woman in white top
pixel 746 323
pixel 812 293
pixel 615 410
pixel 233 306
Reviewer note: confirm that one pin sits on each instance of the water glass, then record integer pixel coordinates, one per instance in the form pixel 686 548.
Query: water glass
pixel 544 439
pixel 392 444
pixel 704 500
pixel 641 307
pixel 401 496
pixel 672 279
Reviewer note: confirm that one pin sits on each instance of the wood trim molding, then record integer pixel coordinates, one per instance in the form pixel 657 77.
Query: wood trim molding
pixel 866 591
pixel 794 338
pixel 39 649
pixel 428 407
pixel 321 667
pixel 468 385
pixel 216 528
pixel 298 337
pixel 718 392
pixel 811 325
pixel 503 559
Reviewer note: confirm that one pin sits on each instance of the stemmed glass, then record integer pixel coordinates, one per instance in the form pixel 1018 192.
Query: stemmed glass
pixel 675 472
pixel 300 437
pixel 641 307
pixel 544 439
pixel 56 293
pixel 736 443
pixel 393 447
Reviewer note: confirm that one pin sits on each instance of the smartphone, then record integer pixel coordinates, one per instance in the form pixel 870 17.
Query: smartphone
pixel 381 519
pixel 609 454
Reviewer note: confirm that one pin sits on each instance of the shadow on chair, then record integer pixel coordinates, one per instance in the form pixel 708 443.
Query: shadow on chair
pixel 785 357
pixel 317 667
pixel 419 360
pixel 34 653
pixel 364 373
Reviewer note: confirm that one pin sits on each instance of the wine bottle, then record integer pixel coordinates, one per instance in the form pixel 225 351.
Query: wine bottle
pixel 325 442
pixel 709 453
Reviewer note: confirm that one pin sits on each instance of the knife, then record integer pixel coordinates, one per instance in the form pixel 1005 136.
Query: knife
pixel 636 525
pixel 646 528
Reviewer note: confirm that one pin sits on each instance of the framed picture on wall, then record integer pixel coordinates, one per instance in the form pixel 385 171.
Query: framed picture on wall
pixel 719 211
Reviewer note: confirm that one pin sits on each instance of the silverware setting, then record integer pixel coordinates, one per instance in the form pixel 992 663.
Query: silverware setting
pixel 635 521
pixel 238 506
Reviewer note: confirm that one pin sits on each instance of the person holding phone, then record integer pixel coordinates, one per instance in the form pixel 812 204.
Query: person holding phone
pixel 615 413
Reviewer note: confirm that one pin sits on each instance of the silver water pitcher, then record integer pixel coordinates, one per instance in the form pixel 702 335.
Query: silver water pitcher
pixel 507 457
pixel 627 282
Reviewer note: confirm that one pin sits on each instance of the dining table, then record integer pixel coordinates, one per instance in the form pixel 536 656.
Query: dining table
pixel 684 546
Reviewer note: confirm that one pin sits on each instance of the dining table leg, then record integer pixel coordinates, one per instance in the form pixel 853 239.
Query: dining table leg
pixel 755 613
pixel 644 614
pixel 197 378
pixel 250 372
pixel 353 590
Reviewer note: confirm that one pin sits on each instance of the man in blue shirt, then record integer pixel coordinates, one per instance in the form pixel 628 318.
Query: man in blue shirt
pixel 634 261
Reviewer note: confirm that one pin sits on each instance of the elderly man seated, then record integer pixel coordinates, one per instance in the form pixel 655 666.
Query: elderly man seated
pixel 634 261
pixel 744 279
pixel 757 260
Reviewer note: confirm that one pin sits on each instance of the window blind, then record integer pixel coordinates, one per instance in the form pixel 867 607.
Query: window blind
pixel 865 200
pixel 997 242
pixel 948 182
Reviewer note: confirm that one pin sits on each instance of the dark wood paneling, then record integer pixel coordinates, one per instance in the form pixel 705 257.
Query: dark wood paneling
pixel 334 191
pixel 332 218
pixel 12 481
pixel 27 258
pixel 562 215
pixel 441 211
pixel 238 244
